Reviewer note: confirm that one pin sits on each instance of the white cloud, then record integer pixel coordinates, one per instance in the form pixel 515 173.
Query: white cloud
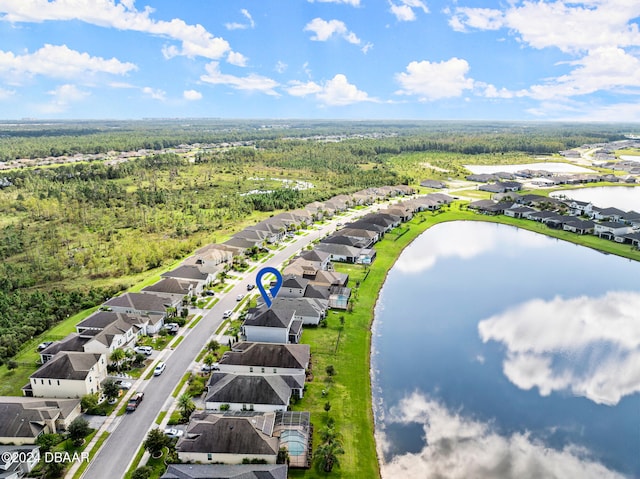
pixel 59 61
pixel 154 93
pixel 242 26
pixel 192 95
pixel 324 30
pixel 335 92
pixel 602 69
pixel 237 59
pixel 194 40
pixel 570 26
pixel 404 11
pixel 353 3
pixel 250 82
pixel 433 81
pixel 589 346
pixel 368 46
pixel 63 96
pixel 458 447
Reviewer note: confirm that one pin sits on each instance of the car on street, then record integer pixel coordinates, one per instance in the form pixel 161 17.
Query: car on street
pixel 227 314
pixel 123 384
pixel 143 350
pixel 240 297
pixel 210 292
pixel 44 345
pixel 250 286
pixel 134 401
pixel 173 433
pixel 161 366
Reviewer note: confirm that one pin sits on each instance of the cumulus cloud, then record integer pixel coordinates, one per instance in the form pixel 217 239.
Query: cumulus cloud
pixel 237 59
pixel 242 26
pixel 335 92
pixel 192 95
pixel 194 40
pixel 252 82
pixel 587 346
pixel 323 30
pixel 59 61
pixel 458 447
pixel 434 81
pixel 63 97
pixel 155 93
pixel 404 11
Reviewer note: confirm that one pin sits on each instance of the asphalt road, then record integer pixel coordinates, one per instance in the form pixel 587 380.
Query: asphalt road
pixel 129 431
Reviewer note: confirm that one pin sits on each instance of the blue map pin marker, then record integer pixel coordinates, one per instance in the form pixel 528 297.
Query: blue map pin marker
pixel 273 291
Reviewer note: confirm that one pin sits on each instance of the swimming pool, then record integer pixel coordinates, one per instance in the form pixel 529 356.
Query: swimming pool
pixel 295 442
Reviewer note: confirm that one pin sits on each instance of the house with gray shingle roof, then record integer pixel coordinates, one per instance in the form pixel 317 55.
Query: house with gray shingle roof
pixel 68 375
pixel 271 326
pixel 293 286
pixel 262 393
pixel 284 359
pixel 228 439
pixel 308 310
pixel 141 304
pixel 23 419
pixel 223 471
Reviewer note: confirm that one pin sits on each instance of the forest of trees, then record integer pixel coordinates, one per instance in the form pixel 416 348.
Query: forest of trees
pixel 74 234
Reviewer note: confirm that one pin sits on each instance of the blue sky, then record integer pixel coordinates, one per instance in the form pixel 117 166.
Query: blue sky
pixel 337 59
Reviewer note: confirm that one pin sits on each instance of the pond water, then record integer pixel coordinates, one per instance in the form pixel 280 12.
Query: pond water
pixel 501 353
pixel 625 198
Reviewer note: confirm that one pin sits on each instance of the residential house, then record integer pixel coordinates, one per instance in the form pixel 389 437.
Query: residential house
pixel 269 326
pixel 488 207
pixel 612 230
pixel 71 342
pixel 24 419
pixel 241 245
pixel 433 184
pixel 401 210
pixel 578 226
pixel 175 286
pixel 68 375
pixel 340 253
pixel 339 297
pixel 308 310
pixel 229 439
pixel 364 238
pixel 152 304
pixel 293 287
pixel 266 358
pixel 518 211
pixel 317 256
pixel 193 273
pixel 18 461
pixel 223 471
pixel 539 216
pixel 580 208
pixel 214 254
pixel 245 392
pixel 608 214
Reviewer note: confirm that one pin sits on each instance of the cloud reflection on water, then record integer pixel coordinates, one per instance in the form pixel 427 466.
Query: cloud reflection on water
pixel 588 346
pixel 460 448
pixel 466 240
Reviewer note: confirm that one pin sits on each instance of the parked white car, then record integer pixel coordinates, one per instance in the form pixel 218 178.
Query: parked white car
pixel 143 350
pixel 173 433
pixel 227 314
pixel 159 368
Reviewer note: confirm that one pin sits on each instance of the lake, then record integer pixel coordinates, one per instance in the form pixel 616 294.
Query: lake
pixel 501 353
pixel 625 198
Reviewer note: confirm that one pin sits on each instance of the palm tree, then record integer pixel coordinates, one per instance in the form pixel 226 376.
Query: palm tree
pixel 186 406
pixel 209 359
pixel 117 356
pixel 327 455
